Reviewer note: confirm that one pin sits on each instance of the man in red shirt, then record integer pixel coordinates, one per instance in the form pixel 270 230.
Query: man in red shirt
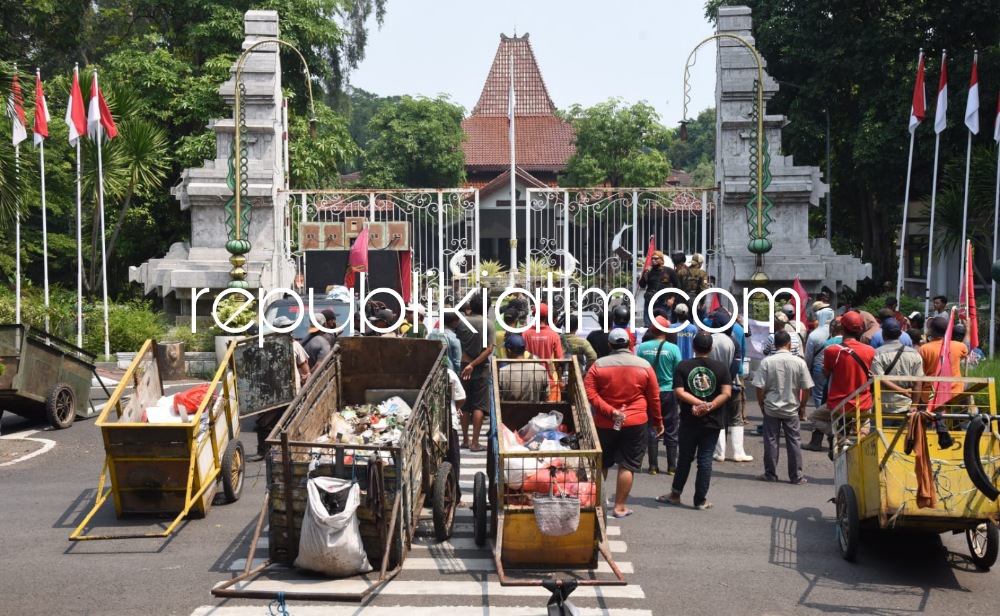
pixel 847 367
pixel 623 391
pixel 546 344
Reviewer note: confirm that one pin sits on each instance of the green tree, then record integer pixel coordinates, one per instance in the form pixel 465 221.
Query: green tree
pixel 416 142
pixel 364 106
pixel 618 144
pixel 858 60
pixel 699 145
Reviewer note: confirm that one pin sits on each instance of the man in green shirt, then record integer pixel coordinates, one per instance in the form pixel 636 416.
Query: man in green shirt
pixel 663 356
pixel 412 327
pixel 574 345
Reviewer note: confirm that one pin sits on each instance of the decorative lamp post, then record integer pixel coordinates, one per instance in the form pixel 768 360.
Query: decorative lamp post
pixel 759 206
pixel 237 210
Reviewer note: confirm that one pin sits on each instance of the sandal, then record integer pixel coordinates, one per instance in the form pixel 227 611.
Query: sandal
pixel 477 448
pixel 621 515
pixel 665 500
pixel 704 506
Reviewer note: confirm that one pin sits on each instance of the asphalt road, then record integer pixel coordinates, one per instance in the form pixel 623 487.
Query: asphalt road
pixel 763 549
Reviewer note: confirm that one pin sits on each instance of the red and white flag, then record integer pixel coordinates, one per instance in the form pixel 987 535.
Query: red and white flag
pixel 357 260
pixel 941 112
pixel 972 106
pixel 918 109
pixel 99 114
pixel 76 116
pixel 800 291
pixel 41 127
pixel 996 123
pixel 15 108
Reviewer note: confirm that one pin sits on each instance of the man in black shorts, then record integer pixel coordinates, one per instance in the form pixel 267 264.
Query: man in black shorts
pixel 625 396
pixel 701 385
pixel 475 369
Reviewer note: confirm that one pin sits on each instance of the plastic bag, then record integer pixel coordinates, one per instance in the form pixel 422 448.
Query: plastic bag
pixel 187 402
pixel 508 438
pixel 514 467
pixel 541 480
pixel 545 444
pixel 540 423
pixel 331 544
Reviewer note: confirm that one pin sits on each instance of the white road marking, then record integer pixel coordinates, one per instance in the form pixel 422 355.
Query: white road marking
pixel 46 445
pixel 305 609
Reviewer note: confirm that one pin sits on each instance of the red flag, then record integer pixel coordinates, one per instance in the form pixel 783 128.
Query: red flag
pixel 942 391
pixel 715 304
pixel 357 261
pixel 76 117
pixel 16 111
pixel 803 301
pixel 649 252
pixel 918 109
pixel 41 127
pixel 941 112
pixel 967 295
pixel 99 113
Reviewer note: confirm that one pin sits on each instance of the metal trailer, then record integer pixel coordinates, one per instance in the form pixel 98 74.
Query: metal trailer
pixel 44 376
pixel 874 478
pixel 395 480
pixel 519 542
pixel 175 469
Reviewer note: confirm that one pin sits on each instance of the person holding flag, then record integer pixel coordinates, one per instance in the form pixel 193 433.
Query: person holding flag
pixel 41 130
pixel 656 276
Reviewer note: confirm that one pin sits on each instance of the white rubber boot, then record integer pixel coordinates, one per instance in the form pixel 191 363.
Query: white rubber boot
pixel 737 437
pixel 720 448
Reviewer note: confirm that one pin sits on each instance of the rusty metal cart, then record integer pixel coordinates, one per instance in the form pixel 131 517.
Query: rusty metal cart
pixel 876 486
pixel 395 479
pixel 44 376
pixel 175 469
pixel 519 542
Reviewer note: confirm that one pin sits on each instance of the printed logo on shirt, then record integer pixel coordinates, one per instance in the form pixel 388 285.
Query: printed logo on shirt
pixel 701 382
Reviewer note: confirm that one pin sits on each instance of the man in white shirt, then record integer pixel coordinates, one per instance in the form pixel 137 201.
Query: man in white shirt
pixel 454 453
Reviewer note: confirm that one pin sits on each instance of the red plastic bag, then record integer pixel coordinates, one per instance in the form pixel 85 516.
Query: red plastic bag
pixel 190 400
pixel 541 480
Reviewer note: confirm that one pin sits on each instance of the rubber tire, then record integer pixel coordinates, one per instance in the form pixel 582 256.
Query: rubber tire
pixel 60 397
pixel 987 557
pixel 444 501
pixel 848 524
pixel 973 463
pixel 233 460
pixel 479 507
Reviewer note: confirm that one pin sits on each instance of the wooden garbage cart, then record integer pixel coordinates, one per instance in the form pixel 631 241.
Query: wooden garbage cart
pixel 874 476
pixel 395 478
pixel 44 376
pixel 174 469
pixel 515 478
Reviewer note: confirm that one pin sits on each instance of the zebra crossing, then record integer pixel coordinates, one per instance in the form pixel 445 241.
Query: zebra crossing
pixel 452 577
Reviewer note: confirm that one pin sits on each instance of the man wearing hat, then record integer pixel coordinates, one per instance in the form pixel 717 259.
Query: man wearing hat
pixel 521 382
pixel 878 339
pixel 893 358
pixel 412 327
pixel 319 343
pixel 701 385
pixel 625 396
pixel 847 366
pixel 695 280
pixel 383 319
pixel 654 278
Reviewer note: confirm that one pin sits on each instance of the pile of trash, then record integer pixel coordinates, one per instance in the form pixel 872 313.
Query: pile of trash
pixel 370 424
pixel 525 477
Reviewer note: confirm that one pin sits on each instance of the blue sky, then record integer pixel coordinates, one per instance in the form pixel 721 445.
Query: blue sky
pixel 588 50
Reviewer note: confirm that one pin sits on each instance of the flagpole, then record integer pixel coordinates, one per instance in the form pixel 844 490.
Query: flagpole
pixel 104 256
pixel 930 236
pixel 993 283
pixel 45 238
pixel 17 238
pixel 906 207
pixel 513 189
pixel 965 203
pixel 79 254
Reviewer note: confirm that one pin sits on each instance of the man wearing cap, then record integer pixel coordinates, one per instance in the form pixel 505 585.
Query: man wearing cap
pixel 412 327
pixel 521 382
pixel 475 367
pixel 847 367
pixel 878 339
pixel 623 392
pixel 663 356
pixel 701 385
pixel 695 280
pixel 893 358
pixel 654 278
pixel 385 319
pixel 685 337
pixel 781 381
pixel 319 343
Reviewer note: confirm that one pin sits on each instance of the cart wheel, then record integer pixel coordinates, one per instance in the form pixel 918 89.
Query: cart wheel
pixel 444 501
pixel 848 526
pixel 232 471
pixel 60 406
pixel 479 507
pixel 984 542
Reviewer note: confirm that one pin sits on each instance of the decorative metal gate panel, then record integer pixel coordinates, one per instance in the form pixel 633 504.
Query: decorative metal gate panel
pixel 438 227
pixel 598 237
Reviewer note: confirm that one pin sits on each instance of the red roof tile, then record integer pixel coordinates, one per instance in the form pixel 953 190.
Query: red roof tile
pixel 530 94
pixel 543 143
